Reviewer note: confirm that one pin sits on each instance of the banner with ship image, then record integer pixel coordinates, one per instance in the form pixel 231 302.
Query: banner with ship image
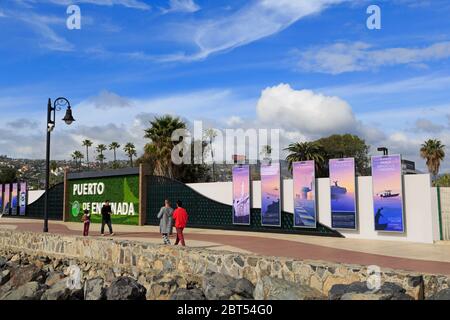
pixel 6 199
pixel 304 194
pixel 387 193
pixel 14 198
pixel 342 191
pixel 271 195
pixel 241 194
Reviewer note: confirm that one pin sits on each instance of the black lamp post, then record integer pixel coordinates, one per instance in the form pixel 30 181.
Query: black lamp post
pixel 51 122
pixel 384 150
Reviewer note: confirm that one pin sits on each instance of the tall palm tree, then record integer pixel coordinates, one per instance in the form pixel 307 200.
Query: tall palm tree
pixel 130 150
pixel 211 134
pixel 303 151
pixel 77 156
pixel 87 143
pixel 114 146
pixel 433 151
pixel 161 145
pixel 101 157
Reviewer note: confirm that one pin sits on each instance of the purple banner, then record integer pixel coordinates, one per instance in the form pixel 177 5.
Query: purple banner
pixel 270 195
pixel 23 198
pixel 241 195
pixel 6 199
pixel 342 191
pixel 1 198
pixel 388 193
pixel 14 198
pixel 304 194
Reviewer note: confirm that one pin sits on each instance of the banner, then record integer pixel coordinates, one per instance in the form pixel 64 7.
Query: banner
pixel 304 194
pixel 387 193
pixel 342 191
pixel 6 199
pixel 241 194
pixel 14 198
pixel 23 198
pixel 122 193
pixel 270 195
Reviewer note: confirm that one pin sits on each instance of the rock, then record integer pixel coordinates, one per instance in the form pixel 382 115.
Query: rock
pixel 338 290
pixel 59 291
pixel 5 275
pixel 26 274
pixel 125 288
pixel 441 295
pixel 53 278
pixel 94 290
pixel 3 261
pixel 243 288
pixel 15 258
pixel 185 294
pixel 29 291
pixel 216 286
pixel 162 289
pixel 360 291
pixel 269 288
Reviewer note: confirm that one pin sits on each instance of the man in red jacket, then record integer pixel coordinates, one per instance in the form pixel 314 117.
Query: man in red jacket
pixel 181 217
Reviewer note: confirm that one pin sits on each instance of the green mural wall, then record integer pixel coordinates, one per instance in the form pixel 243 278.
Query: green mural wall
pixel 121 191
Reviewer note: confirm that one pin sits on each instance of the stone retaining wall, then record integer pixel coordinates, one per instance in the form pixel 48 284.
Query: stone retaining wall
pixel 139 257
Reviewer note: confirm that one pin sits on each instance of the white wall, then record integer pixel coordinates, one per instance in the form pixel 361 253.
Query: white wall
pixel 420 208
pixel 33 195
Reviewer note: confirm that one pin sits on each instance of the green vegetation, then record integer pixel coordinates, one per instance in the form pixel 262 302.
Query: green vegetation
pixel 443 181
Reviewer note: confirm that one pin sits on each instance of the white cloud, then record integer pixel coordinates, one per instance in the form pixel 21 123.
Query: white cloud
pixel 306 111
pixel 108 100
pixel 182 6
pixel 256 20
pixel 359 56
pixel 426 125
pixel 234 121
pixel 135 4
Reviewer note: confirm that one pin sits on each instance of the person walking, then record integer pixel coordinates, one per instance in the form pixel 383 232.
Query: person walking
pixel 180 217
pixel 165 221
pixel 86 222
pixel 106 218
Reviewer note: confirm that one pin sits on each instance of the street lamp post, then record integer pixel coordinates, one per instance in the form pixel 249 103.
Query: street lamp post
pixel 51 122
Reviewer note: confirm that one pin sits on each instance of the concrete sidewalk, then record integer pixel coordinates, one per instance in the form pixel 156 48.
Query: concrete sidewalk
pixel 428 258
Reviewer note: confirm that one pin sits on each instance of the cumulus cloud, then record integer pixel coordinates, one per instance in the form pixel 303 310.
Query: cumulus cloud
pixel 426 125
pixel 182 6
pixel 234 121
pixel 306 111
pixel 108 100
pixel 359 56
pixel 23 123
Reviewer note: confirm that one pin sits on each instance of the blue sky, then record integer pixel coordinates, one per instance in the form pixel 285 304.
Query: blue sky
pixel 310 68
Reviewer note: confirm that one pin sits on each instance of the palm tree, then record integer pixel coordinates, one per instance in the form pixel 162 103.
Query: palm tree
pixel 161 145
pixel 77 156
pixel 101 157
pixel 114 146
pixel 211 134
pixel 433 151
pixel 130 150
pixel 87 143
pixel 303 151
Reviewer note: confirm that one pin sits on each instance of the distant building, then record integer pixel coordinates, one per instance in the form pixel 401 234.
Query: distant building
pixel 238 158
pixel 409 167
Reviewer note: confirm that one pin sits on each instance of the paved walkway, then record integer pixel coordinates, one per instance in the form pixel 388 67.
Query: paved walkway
pixel 427 258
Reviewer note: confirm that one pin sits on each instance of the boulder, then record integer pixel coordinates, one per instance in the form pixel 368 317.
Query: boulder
pixel 217 286
pixel 26 274
pixel 29 291
pixel 269 288
pixel 94 290
pixel 53 278
pixel 59 291
pixel 441 295
pixel 242 288
pixel 185 294
pixel 125 288
pixel 360 291
pixel 5 275
pixel 162 289
pixel 3 261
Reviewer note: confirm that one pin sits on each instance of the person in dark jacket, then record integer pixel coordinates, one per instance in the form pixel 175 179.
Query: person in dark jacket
pixel 165 221
pixel 106 218
pixel 180 217
pixel 86 222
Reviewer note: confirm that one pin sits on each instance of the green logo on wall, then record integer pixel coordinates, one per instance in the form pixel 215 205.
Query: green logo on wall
pixel 75 209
